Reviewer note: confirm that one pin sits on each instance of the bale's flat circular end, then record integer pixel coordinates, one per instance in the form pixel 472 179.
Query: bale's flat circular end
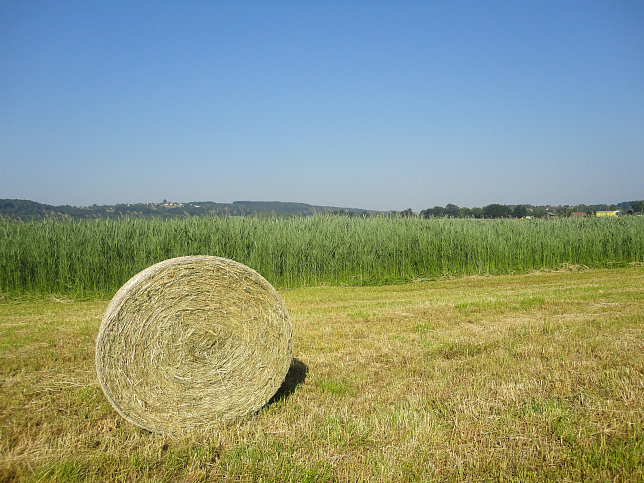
pixel 192 341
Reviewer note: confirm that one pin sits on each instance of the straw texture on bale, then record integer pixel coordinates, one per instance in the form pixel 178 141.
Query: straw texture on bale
pixel 192 341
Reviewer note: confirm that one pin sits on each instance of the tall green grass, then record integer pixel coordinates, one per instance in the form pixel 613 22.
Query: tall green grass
pixel 97 256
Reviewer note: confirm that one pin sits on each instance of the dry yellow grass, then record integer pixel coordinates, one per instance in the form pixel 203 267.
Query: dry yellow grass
pixel 527 377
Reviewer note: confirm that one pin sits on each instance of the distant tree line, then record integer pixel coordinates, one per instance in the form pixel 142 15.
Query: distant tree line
pixel 493 210
pixel 23 210
pixel 496 210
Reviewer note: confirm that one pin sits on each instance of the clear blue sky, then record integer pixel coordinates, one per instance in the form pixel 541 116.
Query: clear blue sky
pixel 381 105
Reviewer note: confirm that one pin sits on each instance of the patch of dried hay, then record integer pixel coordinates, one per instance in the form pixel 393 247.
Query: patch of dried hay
pixel 192 341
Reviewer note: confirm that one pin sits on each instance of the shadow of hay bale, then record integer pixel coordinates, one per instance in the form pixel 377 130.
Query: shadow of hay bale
pixel 295 376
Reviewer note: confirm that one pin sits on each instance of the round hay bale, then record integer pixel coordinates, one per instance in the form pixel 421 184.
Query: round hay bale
pixel 192 341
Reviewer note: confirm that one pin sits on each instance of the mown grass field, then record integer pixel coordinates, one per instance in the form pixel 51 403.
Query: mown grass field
pixel 514 377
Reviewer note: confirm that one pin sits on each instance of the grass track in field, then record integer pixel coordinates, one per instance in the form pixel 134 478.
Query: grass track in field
pixel 529 377
pixel 90 257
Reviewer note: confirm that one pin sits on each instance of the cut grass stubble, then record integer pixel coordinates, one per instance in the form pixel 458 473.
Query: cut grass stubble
pixel 538 376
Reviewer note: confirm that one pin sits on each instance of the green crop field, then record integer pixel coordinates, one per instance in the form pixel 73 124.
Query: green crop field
pixel 95 257
pixel 513 351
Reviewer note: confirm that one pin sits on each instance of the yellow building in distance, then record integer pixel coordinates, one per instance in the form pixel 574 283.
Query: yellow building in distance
pixel 606 213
